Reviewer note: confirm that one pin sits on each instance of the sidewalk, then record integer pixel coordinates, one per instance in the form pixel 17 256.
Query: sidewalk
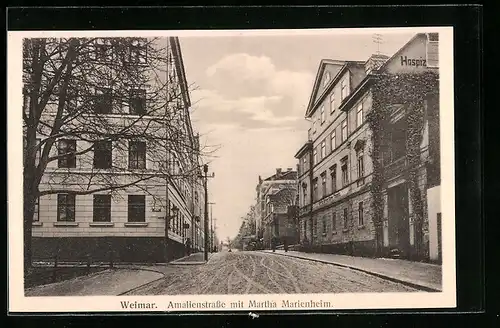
pixel 108 282
pixel 193 259
pixel 421 275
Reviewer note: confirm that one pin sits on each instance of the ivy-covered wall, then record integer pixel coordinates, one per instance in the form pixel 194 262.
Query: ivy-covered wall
pixel 410 90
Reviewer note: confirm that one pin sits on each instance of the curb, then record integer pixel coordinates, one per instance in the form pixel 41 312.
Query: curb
pixel 379 275
pixel 179 262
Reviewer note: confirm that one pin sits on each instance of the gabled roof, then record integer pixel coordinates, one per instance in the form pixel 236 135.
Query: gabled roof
pixel 396 54
pixel 319 75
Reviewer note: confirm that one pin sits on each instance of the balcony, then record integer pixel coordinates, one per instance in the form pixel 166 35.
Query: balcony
pixel 396 167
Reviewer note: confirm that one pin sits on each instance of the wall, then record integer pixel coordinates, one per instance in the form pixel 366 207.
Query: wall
pixel 433 208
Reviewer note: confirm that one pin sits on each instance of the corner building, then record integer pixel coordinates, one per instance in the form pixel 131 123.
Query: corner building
pixel 129 224
pixel 342 208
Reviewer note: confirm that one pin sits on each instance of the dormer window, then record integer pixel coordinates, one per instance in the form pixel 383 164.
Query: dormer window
pixel 343 88
pixel 327 79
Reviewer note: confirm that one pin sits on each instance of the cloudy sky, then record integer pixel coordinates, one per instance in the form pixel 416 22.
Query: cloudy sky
pixel 250 97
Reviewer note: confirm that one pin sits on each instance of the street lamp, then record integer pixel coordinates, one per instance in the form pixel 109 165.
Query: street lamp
pixel 175 211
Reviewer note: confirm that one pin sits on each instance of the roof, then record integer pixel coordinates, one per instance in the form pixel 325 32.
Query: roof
pixel 284 175
pixel 312 100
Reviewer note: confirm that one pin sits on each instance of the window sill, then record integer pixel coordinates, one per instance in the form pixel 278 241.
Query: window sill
pixel 65 224
pixel 136 224
pixel 334 232
pixel 37 224
pixel 345 230
pixel 362 226
pixel 101 224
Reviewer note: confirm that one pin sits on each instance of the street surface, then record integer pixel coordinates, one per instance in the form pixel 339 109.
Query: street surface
pixel 258 273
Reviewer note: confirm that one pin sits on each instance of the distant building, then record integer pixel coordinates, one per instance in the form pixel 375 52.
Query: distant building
pixel 279 220
pixel 338 211
pixel 281 179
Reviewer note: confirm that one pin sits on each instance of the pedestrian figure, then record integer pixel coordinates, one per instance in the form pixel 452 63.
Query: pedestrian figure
pixel 285 245
pixel 188 246
pixel 273 244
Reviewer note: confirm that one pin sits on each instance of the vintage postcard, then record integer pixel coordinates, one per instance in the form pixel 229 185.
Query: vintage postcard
pixel 231 170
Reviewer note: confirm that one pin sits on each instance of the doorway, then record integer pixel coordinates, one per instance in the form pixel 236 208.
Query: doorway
pixel 399 227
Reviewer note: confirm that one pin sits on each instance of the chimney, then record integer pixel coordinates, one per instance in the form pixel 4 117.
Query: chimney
pixel 278 172
pixel 374 62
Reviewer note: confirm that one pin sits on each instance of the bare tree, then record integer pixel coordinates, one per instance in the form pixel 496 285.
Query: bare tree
pixel 84 96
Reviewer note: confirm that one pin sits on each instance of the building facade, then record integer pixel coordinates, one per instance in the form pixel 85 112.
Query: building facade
pixel 356 182
pixel 141 220
pixel 280 180
pixel 279 219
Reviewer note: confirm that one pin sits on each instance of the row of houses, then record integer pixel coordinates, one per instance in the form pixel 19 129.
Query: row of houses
pixel 368 176
pixel 145 219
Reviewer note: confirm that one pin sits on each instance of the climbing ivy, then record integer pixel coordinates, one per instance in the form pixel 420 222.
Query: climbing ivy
pixel 410 90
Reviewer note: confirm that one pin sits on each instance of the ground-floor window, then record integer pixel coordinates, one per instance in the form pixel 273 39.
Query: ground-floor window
pixel 136 208
pixel 102 208
pixel 361 220
pixel 66 207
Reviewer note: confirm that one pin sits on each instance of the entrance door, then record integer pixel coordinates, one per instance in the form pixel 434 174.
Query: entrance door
pixel 399 227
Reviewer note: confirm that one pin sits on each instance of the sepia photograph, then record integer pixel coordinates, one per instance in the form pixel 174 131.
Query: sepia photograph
pixel 231 170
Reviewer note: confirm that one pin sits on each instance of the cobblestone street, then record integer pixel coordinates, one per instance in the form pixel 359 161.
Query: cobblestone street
pixel 257 273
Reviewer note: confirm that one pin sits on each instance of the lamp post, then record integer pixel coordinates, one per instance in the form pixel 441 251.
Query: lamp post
pixel 168 217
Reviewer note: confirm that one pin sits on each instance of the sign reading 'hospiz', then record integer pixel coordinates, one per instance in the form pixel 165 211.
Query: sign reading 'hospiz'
pixel 405 61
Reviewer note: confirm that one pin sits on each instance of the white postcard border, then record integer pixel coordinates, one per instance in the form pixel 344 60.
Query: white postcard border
pixel 19 303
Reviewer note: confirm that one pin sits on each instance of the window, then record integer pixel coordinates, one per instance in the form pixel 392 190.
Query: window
pixel 324 226
pixel 137 155
pixel 304 194
pixel 346 224
pixel 102 101
pixel 102 208
pixel 102 155
pixel 345 173
pixel 304 163
pixel 36 213
pixel 322 114
pixel 327 79
pixel 344 130
pixel 136 208
pixel 333 141
pixel 66 207
pixel 361 165
pixel 315 189
pixel 323 149
pixel 332 102
pixel 137 102
pixel 334 221
pixel 359 115
pixel 66 151
pixel 138 51
pixel 315 156
pixel 323 183
pixel 314 127
pixel 333 176
pixel 360 214
pixel 343 90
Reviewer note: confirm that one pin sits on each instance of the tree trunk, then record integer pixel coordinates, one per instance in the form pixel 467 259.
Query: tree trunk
pixel 29 210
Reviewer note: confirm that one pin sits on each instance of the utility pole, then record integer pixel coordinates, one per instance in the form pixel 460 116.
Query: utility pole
pixel 211 227
pixel 206 176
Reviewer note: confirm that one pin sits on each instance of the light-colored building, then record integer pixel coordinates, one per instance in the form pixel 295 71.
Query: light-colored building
pixel 342 209
pixel 127 224
pixel 280 180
